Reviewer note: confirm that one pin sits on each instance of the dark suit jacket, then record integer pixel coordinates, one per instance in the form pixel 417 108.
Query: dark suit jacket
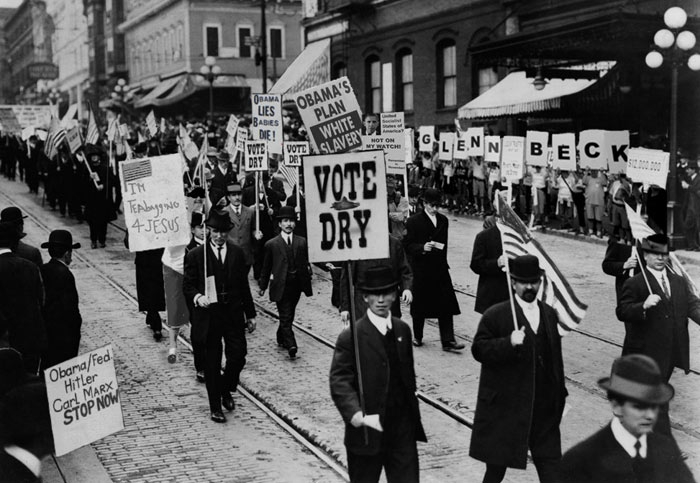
pixel 12 471
pixel 504 406
pixel 600 458
pixel 61 313
pixel 276 264
pixel 493 285
pixel 375 378
pixel 221 181
pixel 242 232
pixel 29 252
pixel 21 299
pixel 236 284
pixel 652 332
pixel 615 257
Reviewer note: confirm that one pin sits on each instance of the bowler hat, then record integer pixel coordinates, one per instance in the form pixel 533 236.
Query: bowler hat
pixel 234 188
pixel 8 234
pixel 212 152
pixel 657 243
pixel 223 156
pixel 287 212
pixel 637 377
pixel 219 221
pixel 525 268
pixel 12 214
pixel 432 196
pixel 60 238
pixel 197 218
pixel 376 280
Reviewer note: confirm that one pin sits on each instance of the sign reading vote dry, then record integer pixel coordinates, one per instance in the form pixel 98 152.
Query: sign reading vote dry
pixel 84 402
pixel 293 152
pixel 255 156
pixel 346 205
pixel 155 211
pixel 332 115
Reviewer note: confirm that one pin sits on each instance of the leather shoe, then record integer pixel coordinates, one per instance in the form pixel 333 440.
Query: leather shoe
pixel 228 402
pixel 293 352
pixel 417 342
pixel 218 417
pixel 200 376
pixel 157 335
pixel 452 346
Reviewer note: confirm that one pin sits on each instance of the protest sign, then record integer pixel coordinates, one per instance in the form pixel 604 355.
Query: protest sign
pixel 391 123
pixel 591 149
pixel 267 120
pixel 28 115
pixel 124 131
pixel 492 149
pixel 9 122
pixel 564 147
pixel 232 126
pixel 155 211
pixel 648 166
pixel 616 147
pixel 73 138
pixel 536 143
pixel 84 402
pixel 255 156
pixel 460 147
pixel 293 152
pixel 392 145
pixel 446 145
pixel 346 205
pixel 408 145
pixel 475 141
pixel 426 138
pixel 332 116
pixel 230 146
pixel 513 158
pixel 241 138
pixel 151 123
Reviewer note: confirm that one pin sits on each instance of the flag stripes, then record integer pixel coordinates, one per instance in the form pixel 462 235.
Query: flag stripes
pixel 137 170
pixel 93 132
pixel 54 138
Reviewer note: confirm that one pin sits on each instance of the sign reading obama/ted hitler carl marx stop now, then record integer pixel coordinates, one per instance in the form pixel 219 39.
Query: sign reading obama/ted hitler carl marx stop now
pixel 84 402
pixel 155 211
pixel 332 116
pixel 346 206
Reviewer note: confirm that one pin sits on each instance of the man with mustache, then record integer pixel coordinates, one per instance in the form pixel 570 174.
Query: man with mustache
pixel 521 387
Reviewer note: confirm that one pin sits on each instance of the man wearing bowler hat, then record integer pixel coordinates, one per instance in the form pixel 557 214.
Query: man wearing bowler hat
pixel 223 312
pixel 627 449
pixel 383 433
pixel 286 269
pixel 14 215
pixel 224 175
pixel 521 388
pixel 655 306
pixel 61 308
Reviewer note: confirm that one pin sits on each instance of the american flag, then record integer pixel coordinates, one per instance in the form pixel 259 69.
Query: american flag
pixel 54 138
pixel 289 176
pixel 93 132
pixel 555 290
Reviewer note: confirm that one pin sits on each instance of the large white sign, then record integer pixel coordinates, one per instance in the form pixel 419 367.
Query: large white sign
pixel 591 149
pixel 616 147
pixel 255 156
pixel 391 123
pixel 267 120
pixel 564 147
pixel 392 145
pixel 513 158
pixel 346 206
pixel 84 400
pixel 536 143
pixel 426 138
pixel 475 141
pixel 648 166
pixel 31 115
pixel 447 144
pixel 492 149
pixel 293 152
pixel 155 211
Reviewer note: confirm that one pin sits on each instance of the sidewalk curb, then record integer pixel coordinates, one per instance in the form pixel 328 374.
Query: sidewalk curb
pixel 77 466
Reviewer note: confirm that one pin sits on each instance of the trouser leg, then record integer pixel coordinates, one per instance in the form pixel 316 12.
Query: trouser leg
pixel 494 473
pixel 236 350
pixel 418 324
pixel 213 364
pixel 447 333
pixel 286 307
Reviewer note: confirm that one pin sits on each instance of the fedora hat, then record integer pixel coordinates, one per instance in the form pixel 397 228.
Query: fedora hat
pixel 8 234
pixel 637 377
pixel 657 243
pixel 287 212
pixel 525 268
pixel 432 196
pixel 223 156
pixel 12 214
pixel 60 238
pixel 234 188
pixel 376 280
pixel 212 152
pixel 219 221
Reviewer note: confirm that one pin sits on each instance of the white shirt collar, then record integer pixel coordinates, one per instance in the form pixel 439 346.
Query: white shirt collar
pixel 381 323
pixel 287 237
pixel 215 249
pixel 198 241
pixel 627 440
pixel 26 458
pixel 433 218
pixel 5 250
pixel 661 275
pixel 531 311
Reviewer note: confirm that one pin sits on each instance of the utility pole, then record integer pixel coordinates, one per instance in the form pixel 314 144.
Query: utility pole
pixel 263 45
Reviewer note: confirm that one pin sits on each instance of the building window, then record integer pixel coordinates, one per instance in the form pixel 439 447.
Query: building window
pixel 244 48
pixel 488 78
pixel 275 42
pixel 212 40
pixel 404 80
pixel 340 69
pixel 446 73
pixel 373 83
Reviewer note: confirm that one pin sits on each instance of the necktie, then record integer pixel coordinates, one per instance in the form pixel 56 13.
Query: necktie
pixel 289 240
pixel 664 286
pixel 221 261
pixel 637 462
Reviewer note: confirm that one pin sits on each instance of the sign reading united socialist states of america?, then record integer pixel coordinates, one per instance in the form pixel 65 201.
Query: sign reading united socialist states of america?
pixel 84 402
pixel 346 206
pixel 155 210
pixel 332 115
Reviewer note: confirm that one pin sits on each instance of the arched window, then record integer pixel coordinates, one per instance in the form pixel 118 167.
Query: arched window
pixel 373 84
pixel 340 69
pixel 404 80
pixel 446 56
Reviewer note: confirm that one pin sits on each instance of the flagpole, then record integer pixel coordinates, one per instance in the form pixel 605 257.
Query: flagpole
pixel 356 345
pixel 510 287
pixel 298 195
pixel 257 201
pixel 644 273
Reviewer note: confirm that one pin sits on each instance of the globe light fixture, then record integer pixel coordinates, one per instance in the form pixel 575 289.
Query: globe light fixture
pixel 694 62
pixel 664 39
pixel 675 18
pixel 685 40
pixel 210 71
pixel 654 59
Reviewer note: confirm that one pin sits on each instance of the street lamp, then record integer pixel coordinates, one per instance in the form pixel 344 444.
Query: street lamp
pixel 209 71
pixel 53 96
pixel 675 44
pixel 121 93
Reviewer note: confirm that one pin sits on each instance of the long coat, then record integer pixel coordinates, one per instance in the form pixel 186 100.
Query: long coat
pixel 493 285
pixel 504 407
pixel 29 252
pixel 99 204
pixel 433 294
pixel 61 313
pixel 373 357
pixel 149 280
pixel 600 458
pixel 276 264
pixel 652 332
pixel 242 232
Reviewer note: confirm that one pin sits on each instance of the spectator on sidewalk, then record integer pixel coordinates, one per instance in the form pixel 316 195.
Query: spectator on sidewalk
pixel 565 209
pixel 620 193
pixel 691 221
pixel 595 183
pixel 14 215
pixel 488 261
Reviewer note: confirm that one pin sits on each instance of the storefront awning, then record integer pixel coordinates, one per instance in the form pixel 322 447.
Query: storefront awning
pixel 159 91
pixel 515 94
pixel 311 68
pixel 184 85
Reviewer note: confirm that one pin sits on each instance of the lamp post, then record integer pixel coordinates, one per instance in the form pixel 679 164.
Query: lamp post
pixel 53 96
pixel 209 71
pixel 121 93
pixel 675 44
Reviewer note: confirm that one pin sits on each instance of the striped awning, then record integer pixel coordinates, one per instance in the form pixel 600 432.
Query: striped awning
pixel 159 91
pixel 312 67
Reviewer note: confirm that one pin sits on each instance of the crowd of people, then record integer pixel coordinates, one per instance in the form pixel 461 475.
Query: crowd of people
pixel 207 283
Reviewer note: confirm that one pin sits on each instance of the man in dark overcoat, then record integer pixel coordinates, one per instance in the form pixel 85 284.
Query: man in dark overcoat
pixel 21 299
pixel 61 308
pixel 433 294
pixel 384 432
pixel 656 323
pixel 99 187
pixel 488 261
pixel 521 388
pixel 691 221
pixel 197 334
pixel 150 290
pixel 223 172
pixel 224 315
pixel 627 449
pixel 287 271
pixel 14 215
